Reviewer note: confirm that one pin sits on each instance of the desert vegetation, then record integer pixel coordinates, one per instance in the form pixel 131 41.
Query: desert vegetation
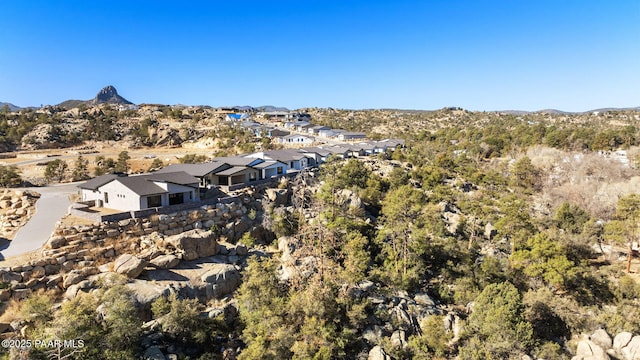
pixel 490 236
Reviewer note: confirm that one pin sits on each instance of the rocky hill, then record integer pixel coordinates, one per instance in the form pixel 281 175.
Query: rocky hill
pixel 9 105
pixel 107 95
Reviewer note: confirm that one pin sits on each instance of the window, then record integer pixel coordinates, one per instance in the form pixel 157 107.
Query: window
pixel 106 198
pixel 175 199
pixel 279 170
pixel 252 176
pixel 154 201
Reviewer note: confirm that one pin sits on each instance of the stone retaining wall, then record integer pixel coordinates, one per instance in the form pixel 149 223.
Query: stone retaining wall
pixel 81 248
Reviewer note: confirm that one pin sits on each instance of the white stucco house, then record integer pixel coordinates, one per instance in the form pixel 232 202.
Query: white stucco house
pixel 293 159
pixel 296 139
pixel 137 192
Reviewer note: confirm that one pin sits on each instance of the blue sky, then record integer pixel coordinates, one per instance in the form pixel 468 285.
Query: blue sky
pixel 572 55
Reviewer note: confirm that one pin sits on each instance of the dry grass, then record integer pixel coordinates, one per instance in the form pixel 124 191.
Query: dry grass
pixel 10 311
pixel 20 260
pixel 71 220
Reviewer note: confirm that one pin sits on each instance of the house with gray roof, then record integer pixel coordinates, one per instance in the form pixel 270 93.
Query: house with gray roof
pixel 296 125
pixel 294 159
pixel 271 168
pixel 317 155
pixel 328 133
pixel 341 152
pixel 205 172
pixel 137 192
pixel 222 171
pixel 296 139
pixel 349 135
pixel 315 130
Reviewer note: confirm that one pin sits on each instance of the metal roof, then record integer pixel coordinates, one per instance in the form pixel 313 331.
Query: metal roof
pixel 144 184
pixel 284 155
pixel 96 182
pixel 238 160
pixel 317 150
pixel 198 170
pixel 233 170
pixel 268 163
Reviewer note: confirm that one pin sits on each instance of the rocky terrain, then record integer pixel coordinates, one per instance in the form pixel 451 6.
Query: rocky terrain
pixel 195 254
pixel 492 235
pixel 16 208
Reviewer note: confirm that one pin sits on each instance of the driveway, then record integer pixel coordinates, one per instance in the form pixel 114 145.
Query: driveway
pixel 51 207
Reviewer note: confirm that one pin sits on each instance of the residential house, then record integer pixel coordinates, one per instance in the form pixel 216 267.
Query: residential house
pixel 270 131
pixel 274 133
pixel 392 142
pixel 294 159
pixel 346 136
pixel 236 117
pixel 222 171
pixel 355 150
pixel 336 132
pixel 301 117
pixel 276 115
pixel 137 192
pixel 317 155
pixel 296 139
pixel 240 170
pixel 315 130
pixel 205 172
pixel 251 126
pixel 341 152
pixel 327 133
pixel 271 168
pixel 295 125
pixel 367 148
pixel 301 127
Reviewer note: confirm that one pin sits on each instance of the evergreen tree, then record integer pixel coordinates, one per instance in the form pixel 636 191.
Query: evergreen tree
pixel 104 166
pixel 497 328
pixel 81 169
pixel 55 170
pixel 543 257
pixel 403 238
pixel 122 165
pixel 625 229
pixel 9 176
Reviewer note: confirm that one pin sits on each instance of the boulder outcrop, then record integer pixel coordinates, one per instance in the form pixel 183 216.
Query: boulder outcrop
pixel 191 245
pixel 129 265
pixel 223 278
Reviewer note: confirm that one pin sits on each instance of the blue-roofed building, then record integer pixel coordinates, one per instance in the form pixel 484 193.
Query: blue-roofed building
pixel 237 117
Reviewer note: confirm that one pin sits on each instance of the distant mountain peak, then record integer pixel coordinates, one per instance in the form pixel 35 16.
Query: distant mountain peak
pixel 9 105
pixel 109 95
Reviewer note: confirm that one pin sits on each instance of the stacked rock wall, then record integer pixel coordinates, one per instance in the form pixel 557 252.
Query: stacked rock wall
pixel 82 248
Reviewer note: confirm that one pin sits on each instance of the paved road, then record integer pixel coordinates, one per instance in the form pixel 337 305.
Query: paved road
pixel 51 207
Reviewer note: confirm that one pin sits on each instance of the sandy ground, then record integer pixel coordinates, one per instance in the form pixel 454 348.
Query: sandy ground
pixel 33 163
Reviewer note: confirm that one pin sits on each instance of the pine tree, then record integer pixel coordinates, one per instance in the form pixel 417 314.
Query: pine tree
pixel 81 169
